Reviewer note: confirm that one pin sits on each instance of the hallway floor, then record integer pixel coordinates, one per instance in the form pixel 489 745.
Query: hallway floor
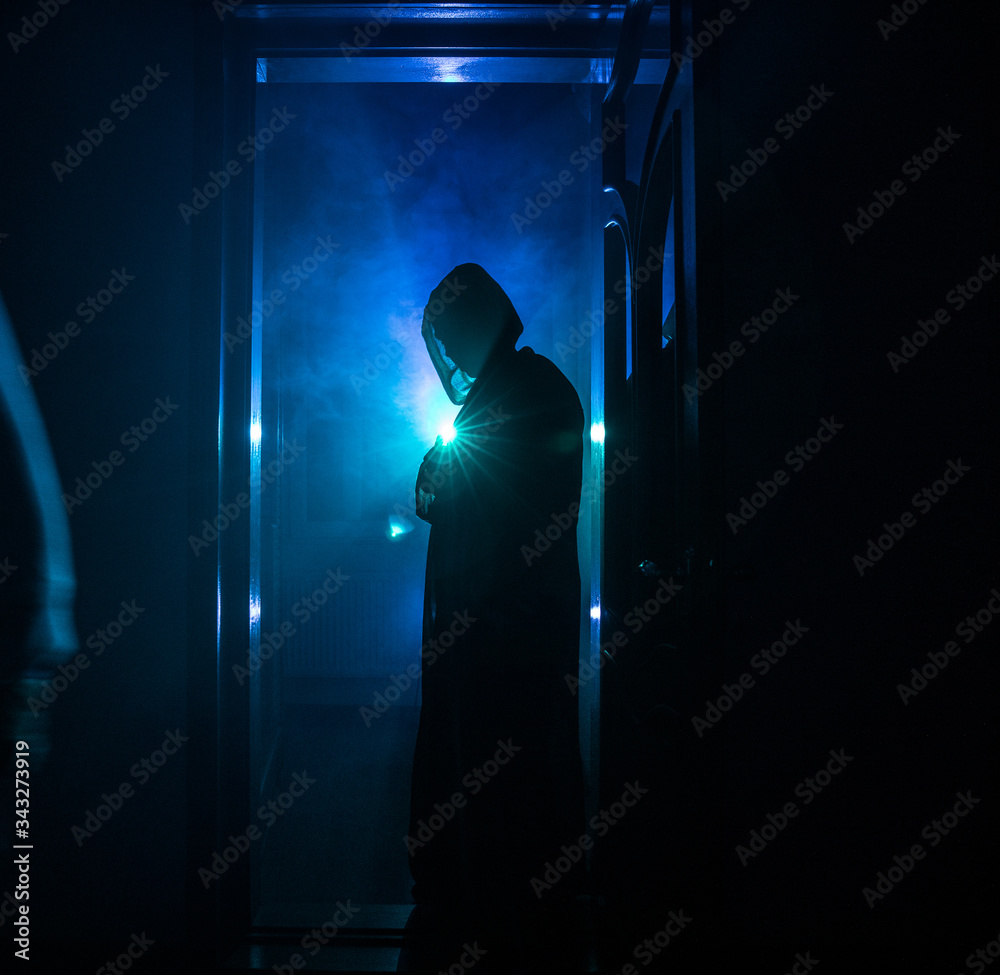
pixel 343 840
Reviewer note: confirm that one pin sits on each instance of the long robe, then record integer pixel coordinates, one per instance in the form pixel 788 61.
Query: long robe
pixel 497 778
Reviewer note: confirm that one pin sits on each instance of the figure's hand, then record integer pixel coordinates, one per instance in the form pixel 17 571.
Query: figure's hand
pixel 432 475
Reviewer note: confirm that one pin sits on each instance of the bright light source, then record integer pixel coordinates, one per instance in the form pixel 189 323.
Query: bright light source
pixel 255 432
pixel 397 529
pixel 437 412
pixel 595 612
pixel 597 433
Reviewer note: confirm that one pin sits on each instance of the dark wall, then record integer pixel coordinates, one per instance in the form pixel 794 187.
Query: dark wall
pixel 108 216
pixel 827 444
pixel 826 357
pixel 874 432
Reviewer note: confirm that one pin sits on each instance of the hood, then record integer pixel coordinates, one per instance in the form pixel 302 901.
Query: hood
pixel 468 298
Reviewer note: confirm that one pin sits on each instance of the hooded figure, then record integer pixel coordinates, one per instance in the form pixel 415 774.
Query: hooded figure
pixel 497 778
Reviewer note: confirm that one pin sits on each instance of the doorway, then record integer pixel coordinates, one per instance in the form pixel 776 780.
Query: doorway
pixel 372 176
pixel 361 206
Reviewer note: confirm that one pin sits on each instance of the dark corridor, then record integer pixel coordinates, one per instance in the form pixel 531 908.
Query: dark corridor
pixel 757 240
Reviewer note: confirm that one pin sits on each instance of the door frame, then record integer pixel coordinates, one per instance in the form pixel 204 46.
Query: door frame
pixel 223 458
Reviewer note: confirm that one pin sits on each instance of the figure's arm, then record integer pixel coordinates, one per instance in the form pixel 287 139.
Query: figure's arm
pixel 36 601
pixel 432 478
pixel 51 636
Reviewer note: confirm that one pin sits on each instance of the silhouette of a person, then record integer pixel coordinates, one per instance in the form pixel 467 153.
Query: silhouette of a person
pixel 497 777
pixel 37 579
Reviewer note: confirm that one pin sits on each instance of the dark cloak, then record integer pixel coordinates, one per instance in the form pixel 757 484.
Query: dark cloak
pixel 501 632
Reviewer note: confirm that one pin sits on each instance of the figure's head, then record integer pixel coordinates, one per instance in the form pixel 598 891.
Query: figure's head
pixel 470 315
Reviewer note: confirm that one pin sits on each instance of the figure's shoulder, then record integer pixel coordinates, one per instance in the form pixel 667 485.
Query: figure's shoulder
pixel 546 380
pixel 539 366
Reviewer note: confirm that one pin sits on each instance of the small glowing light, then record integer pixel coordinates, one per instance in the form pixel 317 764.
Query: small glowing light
pixel 595 612
pixel 597 433
pixel 395 531
pixel 452 77
pixel 438 413
pixel 397 528
pixel 255 432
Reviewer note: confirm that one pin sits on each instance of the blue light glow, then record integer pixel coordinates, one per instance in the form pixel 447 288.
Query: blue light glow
pixel 595 612
pixel 597 433
pixel 397 528
pixel 351 375
pixel 255 433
